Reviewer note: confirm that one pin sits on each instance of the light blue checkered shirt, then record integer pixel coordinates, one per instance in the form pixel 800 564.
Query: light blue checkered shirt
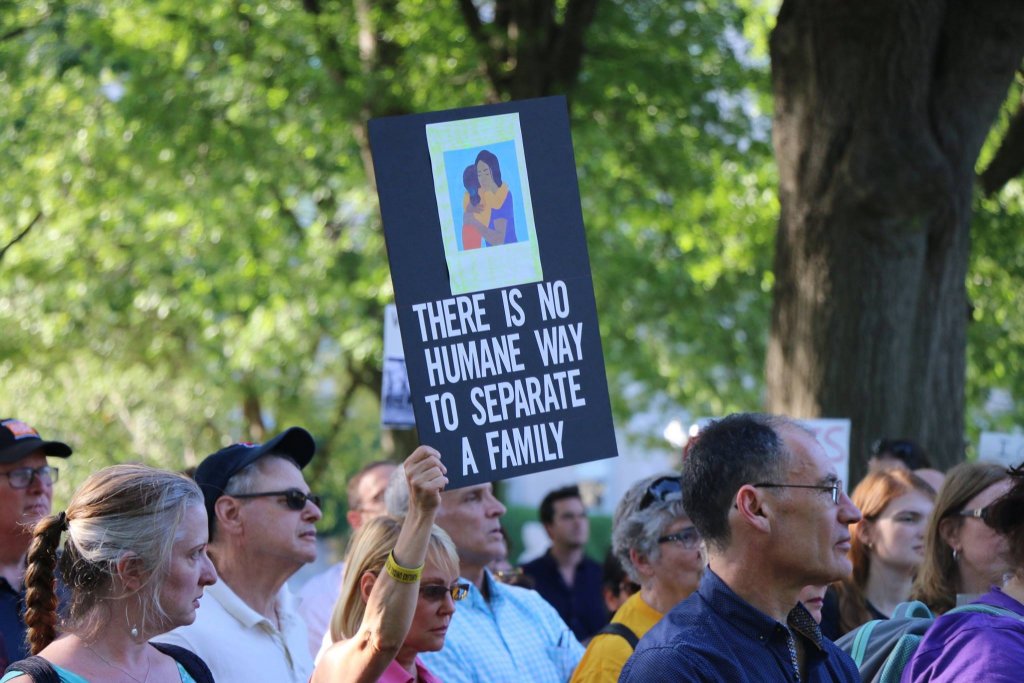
pixel 515 638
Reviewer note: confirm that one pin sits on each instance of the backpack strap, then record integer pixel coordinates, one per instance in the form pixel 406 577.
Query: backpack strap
pixel 617 629
pixel 192 663
pixel 36 668
pixel 914 609
pixel 987 609
pixel 860 642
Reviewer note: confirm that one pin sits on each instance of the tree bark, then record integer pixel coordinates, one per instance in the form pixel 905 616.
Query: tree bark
pixel 881 109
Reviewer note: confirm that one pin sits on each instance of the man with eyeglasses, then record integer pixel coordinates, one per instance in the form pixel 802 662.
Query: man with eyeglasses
pixel 661 550
pixel 262 519
pixel 775 518
pixel 25 498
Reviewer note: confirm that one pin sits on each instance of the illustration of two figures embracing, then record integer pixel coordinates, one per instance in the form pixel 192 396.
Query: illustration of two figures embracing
pixel 488 217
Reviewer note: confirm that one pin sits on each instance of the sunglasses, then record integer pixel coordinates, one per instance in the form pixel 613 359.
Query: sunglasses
pixel 506 575
pixel 436 592
pixel 294 499
pixel 980 513
pixel 661 490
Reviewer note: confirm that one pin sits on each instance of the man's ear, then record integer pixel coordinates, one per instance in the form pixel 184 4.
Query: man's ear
pixel 228 512
pixel 754 508
pixel 354 518
pixel 366 582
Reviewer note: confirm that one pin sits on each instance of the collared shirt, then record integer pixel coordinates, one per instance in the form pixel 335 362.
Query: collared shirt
pixel 581 606
pixel 607 652
pixel 316 603
pixel 515 637
pixel 239 644
pixel 396 674
pixel 972 646
pixel 715 635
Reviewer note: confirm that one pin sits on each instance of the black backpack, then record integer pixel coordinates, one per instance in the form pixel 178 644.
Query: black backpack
pixel 41 671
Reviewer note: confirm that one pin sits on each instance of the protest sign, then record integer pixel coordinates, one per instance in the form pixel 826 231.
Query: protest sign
pixel 495 300
pixel 1002 449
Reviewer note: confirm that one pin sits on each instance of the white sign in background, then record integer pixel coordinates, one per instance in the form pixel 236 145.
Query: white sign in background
pixel 1003 449
pixel 395 401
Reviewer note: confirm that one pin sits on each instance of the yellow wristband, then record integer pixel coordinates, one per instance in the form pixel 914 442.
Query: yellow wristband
pixel 400 573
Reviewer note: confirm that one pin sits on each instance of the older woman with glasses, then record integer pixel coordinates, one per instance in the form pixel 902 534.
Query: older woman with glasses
pixel 399 590
pixel 661 551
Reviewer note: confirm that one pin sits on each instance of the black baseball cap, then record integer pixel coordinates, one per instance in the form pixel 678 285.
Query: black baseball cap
pixel 215 470
pixel 18 440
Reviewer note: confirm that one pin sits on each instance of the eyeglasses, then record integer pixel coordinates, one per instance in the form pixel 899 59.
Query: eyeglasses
pixel 436 593
pixel 835 488
pixel 689 538
pixel 506 575
pixel 294 499
pixel 22 477
pixel 662 489
pixel 980 513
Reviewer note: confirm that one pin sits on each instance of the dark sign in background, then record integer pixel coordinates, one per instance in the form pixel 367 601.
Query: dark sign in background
pixel 509 380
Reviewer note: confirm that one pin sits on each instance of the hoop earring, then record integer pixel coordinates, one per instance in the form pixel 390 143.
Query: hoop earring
pixel 956 554
pixel 133 630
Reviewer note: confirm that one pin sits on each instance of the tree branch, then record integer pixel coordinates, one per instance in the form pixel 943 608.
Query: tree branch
pixel 1008 161
pixel 21 235
pixel 21 30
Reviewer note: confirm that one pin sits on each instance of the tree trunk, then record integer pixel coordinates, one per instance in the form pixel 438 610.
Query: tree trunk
pixel 881 109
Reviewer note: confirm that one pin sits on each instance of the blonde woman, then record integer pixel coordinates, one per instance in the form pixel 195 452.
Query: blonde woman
pixel 399 591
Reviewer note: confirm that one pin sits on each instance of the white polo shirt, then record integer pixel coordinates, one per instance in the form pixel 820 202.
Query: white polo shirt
pixel 240 645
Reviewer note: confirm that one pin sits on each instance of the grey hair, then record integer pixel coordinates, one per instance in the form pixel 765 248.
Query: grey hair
pixel 244 481
pixel 396 496
pixel 122 510
pixel 636 529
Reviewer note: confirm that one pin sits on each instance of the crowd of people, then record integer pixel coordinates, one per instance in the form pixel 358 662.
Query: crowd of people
pixel 744 566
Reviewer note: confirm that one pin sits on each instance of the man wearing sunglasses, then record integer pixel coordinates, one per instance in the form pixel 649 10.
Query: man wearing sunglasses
pixel 26 489
pixel 775 518
pixel 262 519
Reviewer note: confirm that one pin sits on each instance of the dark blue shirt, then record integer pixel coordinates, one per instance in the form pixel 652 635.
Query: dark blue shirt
pixel 582 606
pixel 715 635
pixel 12 628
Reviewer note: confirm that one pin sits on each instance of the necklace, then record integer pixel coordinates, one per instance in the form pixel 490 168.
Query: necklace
pixel 149 665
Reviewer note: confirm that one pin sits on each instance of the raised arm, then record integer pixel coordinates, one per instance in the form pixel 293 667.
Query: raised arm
pixel 392 601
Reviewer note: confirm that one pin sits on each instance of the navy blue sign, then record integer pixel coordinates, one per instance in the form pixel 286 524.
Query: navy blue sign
pixel 482 219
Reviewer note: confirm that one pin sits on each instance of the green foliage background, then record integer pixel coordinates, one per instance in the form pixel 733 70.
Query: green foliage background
pixel 194 250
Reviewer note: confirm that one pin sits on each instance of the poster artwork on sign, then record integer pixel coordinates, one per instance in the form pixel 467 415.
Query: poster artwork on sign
pixel 493 288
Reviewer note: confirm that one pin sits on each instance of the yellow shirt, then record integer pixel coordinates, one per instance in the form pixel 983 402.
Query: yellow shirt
pixel 607 653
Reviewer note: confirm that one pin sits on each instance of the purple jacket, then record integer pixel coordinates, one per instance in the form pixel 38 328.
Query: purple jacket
pixel 972 646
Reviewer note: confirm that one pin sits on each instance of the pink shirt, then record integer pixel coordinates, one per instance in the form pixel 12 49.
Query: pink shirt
pixel 396 674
